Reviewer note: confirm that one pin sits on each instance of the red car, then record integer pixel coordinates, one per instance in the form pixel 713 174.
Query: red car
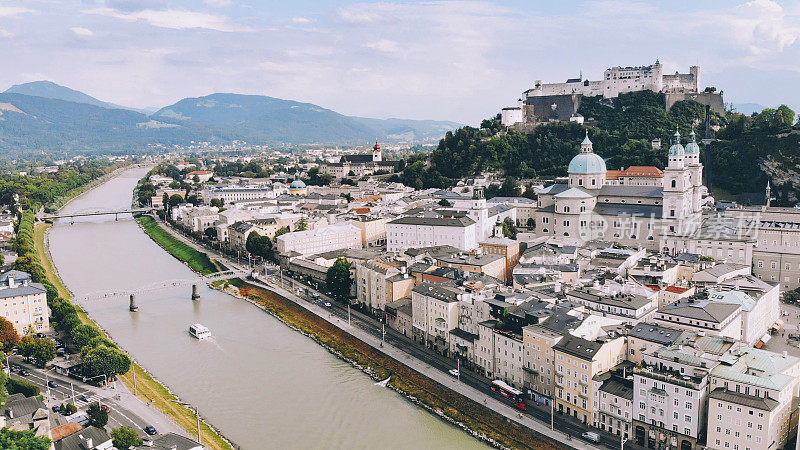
pixel 521 406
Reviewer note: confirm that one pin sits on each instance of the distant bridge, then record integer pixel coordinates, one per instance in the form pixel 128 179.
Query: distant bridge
pixel 95 212
pixel 111 294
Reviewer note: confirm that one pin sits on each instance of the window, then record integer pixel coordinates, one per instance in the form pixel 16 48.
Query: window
pixel 673 183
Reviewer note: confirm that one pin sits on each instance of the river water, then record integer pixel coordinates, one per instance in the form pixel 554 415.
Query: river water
pixel 262 384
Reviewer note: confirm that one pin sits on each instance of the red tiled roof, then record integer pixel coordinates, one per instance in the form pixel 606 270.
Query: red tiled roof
pixel 635 171
pixel 613 174
pixel 360 210
pixel 63 431
pixel 199 172
pixel 653 287
pixel 676 289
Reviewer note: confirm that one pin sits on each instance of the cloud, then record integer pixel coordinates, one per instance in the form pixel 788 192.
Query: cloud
pixel 174 19
pixel 11 11
pixel 300 20
pixel 384 45
pixel 80 31
pixel 5 33
pixel 136 5
pixel 218 3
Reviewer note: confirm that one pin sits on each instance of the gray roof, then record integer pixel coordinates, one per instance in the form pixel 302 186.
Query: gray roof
pixel 655 333
pixel 465 335
pixel 554 189
pixel 578 347
pixel 18 276
pixel 29 289
pixel 22 406
pixel 78 440
pixel 631 301
pixel 470 259
pixel 750 401
pixel 619 387
pixel 616 209
pixel 437 291
pixel 511 200
pixel 701 310
pixel 631 191
pixel 434 221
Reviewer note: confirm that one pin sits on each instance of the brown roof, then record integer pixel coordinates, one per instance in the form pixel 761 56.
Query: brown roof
pixel 63 431
pixel 635 171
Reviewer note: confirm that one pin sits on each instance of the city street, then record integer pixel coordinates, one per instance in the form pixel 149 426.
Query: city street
pixel 124 408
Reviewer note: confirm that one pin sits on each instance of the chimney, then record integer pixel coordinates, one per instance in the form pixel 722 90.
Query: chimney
pixel 11 283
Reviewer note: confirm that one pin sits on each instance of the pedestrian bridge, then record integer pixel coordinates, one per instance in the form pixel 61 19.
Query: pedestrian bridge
pixel 94 212
pixel 186 282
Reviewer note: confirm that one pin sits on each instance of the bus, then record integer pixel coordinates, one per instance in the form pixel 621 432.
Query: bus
pixel 502 388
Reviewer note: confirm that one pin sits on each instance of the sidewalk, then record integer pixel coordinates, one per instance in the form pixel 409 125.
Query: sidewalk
pixel 402 356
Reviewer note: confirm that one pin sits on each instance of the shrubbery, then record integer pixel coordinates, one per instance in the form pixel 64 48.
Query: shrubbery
pixel 23 387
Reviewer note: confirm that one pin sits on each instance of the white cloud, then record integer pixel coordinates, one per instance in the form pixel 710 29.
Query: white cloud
pixel 174 19
pixel 5 33
pixel 11 11
pixel 384 45
pixel 80 31
pixel 218 3
pixel 300 20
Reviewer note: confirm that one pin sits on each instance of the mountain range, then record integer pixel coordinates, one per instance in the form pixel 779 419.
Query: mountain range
pixel 43 116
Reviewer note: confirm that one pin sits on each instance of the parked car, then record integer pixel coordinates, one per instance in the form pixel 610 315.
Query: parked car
pixel 315 296
pixel 56 408
pixel 151 430
pixel 521 405
pixel 24 372
pixel 591 436
pixel 453 372
pixel 327 304
pixel 52 384
pixel 83 398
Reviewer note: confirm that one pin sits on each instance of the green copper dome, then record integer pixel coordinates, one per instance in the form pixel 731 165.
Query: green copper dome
pixel 692 146
pixel 676 149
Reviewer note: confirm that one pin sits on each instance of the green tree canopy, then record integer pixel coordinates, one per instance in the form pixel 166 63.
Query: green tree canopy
pixel 104 360
pixel 125 437
pixel 22 440
pixel 338 279
pixel 8 335
pixel 98 415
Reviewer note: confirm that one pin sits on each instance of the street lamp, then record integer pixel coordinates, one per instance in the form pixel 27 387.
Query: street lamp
pixel 622 443
pixel 197 414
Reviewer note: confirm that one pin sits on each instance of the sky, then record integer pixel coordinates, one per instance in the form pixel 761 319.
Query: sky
pixel 444 60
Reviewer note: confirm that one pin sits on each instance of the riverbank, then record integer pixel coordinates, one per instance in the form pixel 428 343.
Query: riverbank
pixel 66 198
pixel 197 261
pixel 147 389
pixel 473 417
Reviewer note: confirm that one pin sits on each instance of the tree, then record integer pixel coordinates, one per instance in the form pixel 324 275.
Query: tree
pixel 445 203
pixel 196 179
pixel 83 334
pixel 25 347
pixel 98 415
pixel 8 335
pixel 211 232
pixel 104 360
pixel 281 230
pixel 218 202
pixel 259 245
pixel 44 351
pixel 125 438
pixel 175 200
pixel 530 223
pixel 509 228
pixel 338 280
pixel 22 440
pixel 302 225
pixel 28 264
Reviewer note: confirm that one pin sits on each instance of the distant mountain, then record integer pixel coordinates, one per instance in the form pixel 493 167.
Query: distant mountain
pixel 33 124
pixel 265 120
pixel 48 89
pixel 747 108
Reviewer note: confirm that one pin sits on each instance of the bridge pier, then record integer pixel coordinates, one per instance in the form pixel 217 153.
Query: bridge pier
pixel 133 306
pixel 195 292
pixel 116 216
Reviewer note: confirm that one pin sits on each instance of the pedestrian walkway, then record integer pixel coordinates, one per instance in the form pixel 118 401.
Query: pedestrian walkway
pixel 89 400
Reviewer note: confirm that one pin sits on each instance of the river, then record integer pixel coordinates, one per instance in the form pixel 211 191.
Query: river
pixel 262 384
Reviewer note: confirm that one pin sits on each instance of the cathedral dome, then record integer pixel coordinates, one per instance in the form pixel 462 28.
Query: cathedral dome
pixel 587 163
pixel 297 184
pixel 692 146
pixel 676 149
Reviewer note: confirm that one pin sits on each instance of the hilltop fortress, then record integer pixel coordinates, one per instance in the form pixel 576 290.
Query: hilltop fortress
pixel 547 102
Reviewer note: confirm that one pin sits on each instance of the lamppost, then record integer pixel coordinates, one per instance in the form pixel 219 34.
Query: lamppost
pixel 197 414
pixel 622 443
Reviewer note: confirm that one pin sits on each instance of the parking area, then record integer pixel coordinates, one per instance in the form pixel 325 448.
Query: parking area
pixel 781 340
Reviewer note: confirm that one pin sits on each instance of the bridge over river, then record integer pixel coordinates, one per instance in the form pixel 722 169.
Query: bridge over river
pixel 93 212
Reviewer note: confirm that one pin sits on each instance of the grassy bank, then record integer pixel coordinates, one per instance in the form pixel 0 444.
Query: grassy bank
pixel 475 416
pixel 147 388
pixel 199 262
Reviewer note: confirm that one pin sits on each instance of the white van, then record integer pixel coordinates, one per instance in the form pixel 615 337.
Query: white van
pixel 591 436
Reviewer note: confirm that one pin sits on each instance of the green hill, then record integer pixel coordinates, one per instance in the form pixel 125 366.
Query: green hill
pixel 48 89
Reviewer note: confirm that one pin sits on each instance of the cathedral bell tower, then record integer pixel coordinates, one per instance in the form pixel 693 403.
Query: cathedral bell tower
pixel 678 190
pixel 376 152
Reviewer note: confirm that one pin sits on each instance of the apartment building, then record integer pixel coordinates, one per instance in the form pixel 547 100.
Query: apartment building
pixel 578 361
pixel 413 232
pixel 648 336
pixel 435 313
pixel 505 247
pixel 719 319
pixel 325 239
pixel 23 302
pixel 630 308
pixel 538 362
pixel 613 396
pixel 752 396
pixel 379 282
pixel 499 353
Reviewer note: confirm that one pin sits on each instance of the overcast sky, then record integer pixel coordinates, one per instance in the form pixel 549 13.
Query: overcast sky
pixel 446 60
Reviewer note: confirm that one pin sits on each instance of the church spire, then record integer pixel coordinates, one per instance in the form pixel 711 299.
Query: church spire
pixel 586 145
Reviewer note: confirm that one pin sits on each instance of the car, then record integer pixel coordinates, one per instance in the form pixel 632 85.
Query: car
pixel 315 296
pixel 591 436
pixel 24 372
pixel 522 406
pixel 327 304
pixel 52 384
pixel 453 372
pixel 56 408
pixel 151 430
pixel 83 398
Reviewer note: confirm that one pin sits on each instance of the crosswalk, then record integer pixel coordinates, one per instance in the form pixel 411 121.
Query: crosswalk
pixel 89 400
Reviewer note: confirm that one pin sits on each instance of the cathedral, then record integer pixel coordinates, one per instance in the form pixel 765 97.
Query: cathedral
pixel 642 209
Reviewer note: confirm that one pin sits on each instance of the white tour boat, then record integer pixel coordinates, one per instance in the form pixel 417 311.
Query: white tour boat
pixel 199 331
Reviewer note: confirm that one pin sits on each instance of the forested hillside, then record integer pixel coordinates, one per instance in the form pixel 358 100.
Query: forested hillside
pixel 748 149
